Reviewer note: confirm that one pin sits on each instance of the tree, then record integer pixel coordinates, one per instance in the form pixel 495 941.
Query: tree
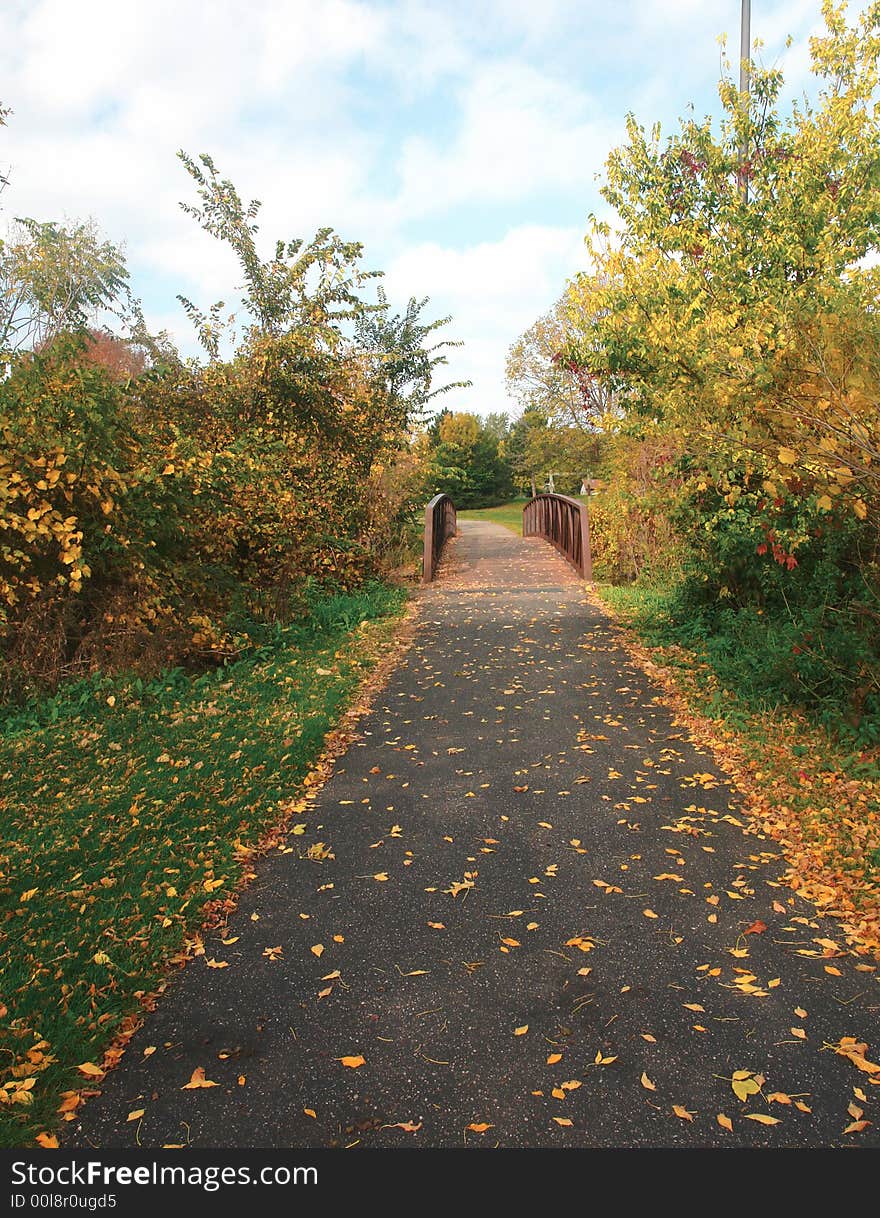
pixel 542 376
pixel 404 362
pixel 751 328
pixel 466 463
pixel 56 277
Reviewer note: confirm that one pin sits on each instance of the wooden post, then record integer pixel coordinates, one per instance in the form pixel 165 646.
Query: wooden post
pixel 428 551
pixel 586 555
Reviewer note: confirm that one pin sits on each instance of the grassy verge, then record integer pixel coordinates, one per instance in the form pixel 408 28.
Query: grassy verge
pixel 808 787
pixel 128 812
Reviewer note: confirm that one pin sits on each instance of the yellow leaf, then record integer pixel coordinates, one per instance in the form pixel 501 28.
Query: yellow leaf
pixel 787 456
pixel 562 1121
pixel 352 1062
pixel 48 1140
pixel 554 1058
pixel 136 1114
pixel 90 1070
pixel 860 509
pixel 652 1040
pixel 521 1031
pixel 762 1118
pixel 480 1126
pixel 317 950
pixel 693 1006
pixel 198 1080
pixel 647 1084
pixel 725 1122
pixel 799 1033
pixel 310 1112
pixel 824 504
pixel 682 1112
pixel 381 876
pixel 649 913
pixel 744 1087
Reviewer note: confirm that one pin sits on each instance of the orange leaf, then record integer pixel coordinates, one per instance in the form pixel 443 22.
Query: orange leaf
pixel 757 928
pixel 682 1112
pixel 50 1142
pixel 198 1080
pixel 352 1062
pixel 725 1122
pixel 480 1126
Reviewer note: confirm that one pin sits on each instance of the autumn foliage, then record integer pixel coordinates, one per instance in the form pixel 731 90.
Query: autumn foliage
pixel 150 505
pixel 732 318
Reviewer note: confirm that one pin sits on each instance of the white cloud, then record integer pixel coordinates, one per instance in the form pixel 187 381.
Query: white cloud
pixel 494 290
pixel 521 133
pixel 459 142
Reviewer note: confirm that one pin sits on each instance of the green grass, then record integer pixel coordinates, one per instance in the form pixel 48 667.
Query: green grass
pixel 124 810
pixel 508 514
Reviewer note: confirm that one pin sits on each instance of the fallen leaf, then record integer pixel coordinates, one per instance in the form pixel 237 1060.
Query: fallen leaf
pixel 762 1118
pixel 554 1058
pixel 757 928
pixel 47 1140
pixel 682 1112
pixel 480 1126
pixel 317 950
pixel 562 1121
pixel 649 913
pixel 725 1122
pixel 136 1114
pixel 521 1031
pixel 90 1070
pixel 310 1112
pixel 352 1062
pixel 857 1126
pixel 198 1080
pixel 647 1084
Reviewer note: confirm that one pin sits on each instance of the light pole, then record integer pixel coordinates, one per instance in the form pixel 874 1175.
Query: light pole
pixel 745 63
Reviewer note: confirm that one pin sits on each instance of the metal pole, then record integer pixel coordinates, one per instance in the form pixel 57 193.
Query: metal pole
pixel 745 63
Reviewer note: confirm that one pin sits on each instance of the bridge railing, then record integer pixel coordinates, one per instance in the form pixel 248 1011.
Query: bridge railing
pixel 440 525
pixel 565 523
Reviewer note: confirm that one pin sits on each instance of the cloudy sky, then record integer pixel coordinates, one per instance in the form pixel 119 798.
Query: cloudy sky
pixel 459 140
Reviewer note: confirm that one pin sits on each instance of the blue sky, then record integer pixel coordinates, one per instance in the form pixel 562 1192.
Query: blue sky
pixel 460 142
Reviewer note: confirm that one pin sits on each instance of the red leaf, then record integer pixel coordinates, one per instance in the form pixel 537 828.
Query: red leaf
pixel 757 928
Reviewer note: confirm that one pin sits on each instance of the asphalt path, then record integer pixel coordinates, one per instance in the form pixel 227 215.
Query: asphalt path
pixel 526 910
